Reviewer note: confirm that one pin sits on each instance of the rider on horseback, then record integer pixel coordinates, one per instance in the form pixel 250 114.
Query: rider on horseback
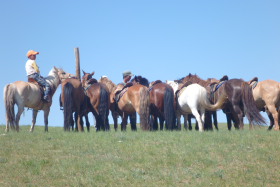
pixel 33 72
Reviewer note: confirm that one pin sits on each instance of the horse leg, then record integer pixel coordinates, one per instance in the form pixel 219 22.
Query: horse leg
pixel 178 116
pixel 34 116
pixel 214 114
pixel 271 108
pixel 132 119
pixel 270 119
pixel 237 115
pixel 229 124
pixel 46 116
pixel 161 124
pixel 87 123
pixel 198 119
pixel 124 122
pixel 115 118
pixel 188 120
pixel 20 111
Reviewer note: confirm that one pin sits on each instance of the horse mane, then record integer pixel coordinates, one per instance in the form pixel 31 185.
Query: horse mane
pixel 141 80
pixel 110 85
pixel 195 79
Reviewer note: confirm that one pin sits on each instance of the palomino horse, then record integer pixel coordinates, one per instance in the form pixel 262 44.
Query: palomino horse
pixel 73 100
pixel 26 94
pixel 134 98
pixel 193 99
pixel 238 99
pixel 99 100
pixel 111 87
pixel 267 97
pixel 161 103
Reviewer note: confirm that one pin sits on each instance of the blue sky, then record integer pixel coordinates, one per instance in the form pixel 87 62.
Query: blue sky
pixel 158 39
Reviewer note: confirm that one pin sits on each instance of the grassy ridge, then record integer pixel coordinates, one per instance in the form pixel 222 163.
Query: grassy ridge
pixel 236 158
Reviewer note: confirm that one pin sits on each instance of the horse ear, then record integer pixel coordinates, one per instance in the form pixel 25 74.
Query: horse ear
pixel 92 73
pixel 83 72
pixel 55 68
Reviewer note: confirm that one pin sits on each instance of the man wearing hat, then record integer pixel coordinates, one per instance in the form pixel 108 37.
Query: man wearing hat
pixel 33 72
pixel 127 77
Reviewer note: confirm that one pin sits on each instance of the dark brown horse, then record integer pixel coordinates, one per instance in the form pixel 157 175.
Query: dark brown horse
pixel 73 100
pixel 239 99
pixel 99 100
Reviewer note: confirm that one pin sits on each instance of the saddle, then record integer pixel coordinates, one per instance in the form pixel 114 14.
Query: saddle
pixel 253 83
pixel 121 92
pixel 41 88
pixel 214 87
pixel 154 83
pixel 186 84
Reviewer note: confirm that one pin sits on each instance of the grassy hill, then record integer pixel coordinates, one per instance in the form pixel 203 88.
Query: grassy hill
pixel 178 158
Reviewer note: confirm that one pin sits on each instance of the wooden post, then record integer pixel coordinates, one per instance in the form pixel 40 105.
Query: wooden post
pixel 77 54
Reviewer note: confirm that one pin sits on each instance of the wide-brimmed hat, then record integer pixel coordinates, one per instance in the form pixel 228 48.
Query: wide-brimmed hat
pixel 31 52
pixel 127 73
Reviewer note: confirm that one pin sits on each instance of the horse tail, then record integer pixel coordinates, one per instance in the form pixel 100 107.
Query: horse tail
pixel 144 108
pixel 206 103
pixel 169 111
pixel 9 104
pixel 103 108
pixel 250 109
pixel 68 105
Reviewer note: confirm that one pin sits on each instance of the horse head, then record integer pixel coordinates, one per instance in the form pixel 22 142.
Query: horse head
pixel 87 79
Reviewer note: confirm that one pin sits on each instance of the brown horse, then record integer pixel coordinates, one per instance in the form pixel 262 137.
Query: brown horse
pixel 111 87
pixel 99 100
pixel 73 100
pixel 161 103
pixel 26 94
pixel 239 99
pixel 134 98
pixel 267 97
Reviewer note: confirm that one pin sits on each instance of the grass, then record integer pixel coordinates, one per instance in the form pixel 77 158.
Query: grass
pixel 179 158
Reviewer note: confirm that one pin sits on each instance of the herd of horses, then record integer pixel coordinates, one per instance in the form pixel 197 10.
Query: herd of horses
pixel 157 101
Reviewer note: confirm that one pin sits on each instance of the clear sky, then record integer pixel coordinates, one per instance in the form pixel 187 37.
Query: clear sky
pixel 158 39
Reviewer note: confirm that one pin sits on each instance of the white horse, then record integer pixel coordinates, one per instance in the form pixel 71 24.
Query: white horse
pixel 26 94
pixel 193 100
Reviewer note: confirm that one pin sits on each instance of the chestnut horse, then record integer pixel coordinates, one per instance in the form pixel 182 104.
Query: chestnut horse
pixel 27 94
pixel 239 99
pixel 99 100
pixel 73 100
pixel 133 98
pixel 161 103
pixel 267 97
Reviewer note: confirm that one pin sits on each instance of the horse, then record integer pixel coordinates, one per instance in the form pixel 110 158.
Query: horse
pixel 133 98
pixel 238 98
pixel 267 97
pixel 161 103
pixel 111 87
pixel 99 100
pixel 73 100
pixel 29 94
pixel 192 99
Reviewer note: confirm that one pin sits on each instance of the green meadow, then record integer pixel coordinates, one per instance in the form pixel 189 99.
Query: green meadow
pixel 162 158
